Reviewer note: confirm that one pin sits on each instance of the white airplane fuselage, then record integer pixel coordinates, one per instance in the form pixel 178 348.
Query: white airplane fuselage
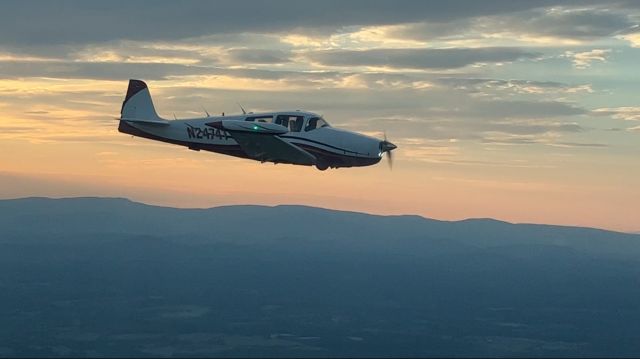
pixel 325 146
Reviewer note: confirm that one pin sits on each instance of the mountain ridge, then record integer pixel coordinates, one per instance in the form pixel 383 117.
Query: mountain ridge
pixel 88 217
pixel 125 200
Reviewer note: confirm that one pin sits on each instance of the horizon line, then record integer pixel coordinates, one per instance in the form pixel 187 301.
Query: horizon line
pixel 317 207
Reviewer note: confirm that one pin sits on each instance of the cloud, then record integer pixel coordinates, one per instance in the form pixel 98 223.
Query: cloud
pixel 451 58
pixel 527 109
pixel 60 21
pixel 632 35
pixel 503 139
pixel 509 139
pixel 524 131
pixel 530 128
pixel 149 71
pixel 579 24
pixel 487 86
pixel 10 129
pixel 96 70
pixel 583 60
pixel 561 22
pixel 628 113
pixel 91 64
pixel 579 144
pixel 143 52
pixel 340 103
pixel 258 56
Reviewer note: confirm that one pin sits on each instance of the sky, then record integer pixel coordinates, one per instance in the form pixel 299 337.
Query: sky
pixel 524 111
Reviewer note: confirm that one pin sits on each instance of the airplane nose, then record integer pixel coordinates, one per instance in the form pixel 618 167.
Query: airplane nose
pixel 386 146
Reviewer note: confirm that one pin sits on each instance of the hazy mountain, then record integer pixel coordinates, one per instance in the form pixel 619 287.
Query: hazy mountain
pixel 110 277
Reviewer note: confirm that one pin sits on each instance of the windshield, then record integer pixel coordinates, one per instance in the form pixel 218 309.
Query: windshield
pixel 316 122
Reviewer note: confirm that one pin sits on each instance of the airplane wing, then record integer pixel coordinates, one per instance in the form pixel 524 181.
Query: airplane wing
pixel 261 141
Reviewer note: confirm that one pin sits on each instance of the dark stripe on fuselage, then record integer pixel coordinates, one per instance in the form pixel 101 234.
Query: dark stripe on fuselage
pixel 333 159
pixel 324 144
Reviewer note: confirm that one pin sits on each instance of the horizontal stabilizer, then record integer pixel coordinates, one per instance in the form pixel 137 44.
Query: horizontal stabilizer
pixel 160 122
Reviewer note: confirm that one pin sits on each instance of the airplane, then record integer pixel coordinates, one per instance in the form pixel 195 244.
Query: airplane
pixel 292 137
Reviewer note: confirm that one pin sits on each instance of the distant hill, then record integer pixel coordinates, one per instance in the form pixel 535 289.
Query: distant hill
pixel 111 277
pixel 23 218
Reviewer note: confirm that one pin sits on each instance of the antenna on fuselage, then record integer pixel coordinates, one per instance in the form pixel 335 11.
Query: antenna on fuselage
pixel 242 108
pixel 205 111
pixel 174 116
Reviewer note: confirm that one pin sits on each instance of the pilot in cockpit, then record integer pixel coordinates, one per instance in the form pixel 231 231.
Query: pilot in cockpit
pixel 315 122
pixel 295 123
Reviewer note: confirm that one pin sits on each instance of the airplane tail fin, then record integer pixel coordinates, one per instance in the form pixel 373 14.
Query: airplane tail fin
pixel 137 104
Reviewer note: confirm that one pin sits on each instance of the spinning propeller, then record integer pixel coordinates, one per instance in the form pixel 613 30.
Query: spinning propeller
pixel 386 146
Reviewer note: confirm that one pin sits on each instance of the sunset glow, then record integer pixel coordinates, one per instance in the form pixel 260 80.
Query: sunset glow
pixel 525 114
